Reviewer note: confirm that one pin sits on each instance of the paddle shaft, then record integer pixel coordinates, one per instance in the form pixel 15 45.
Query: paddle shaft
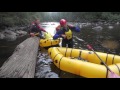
pixel 98 57
pixel 36 34
pixel 115 75
pixel 89 47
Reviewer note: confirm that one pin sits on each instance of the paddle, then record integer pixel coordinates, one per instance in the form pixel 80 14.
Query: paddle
pixel 112 74
pixel 32 34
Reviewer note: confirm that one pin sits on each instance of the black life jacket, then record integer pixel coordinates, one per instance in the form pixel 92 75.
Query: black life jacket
pixel 34 28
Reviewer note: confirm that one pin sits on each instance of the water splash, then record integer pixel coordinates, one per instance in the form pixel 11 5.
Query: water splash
pixel 43 69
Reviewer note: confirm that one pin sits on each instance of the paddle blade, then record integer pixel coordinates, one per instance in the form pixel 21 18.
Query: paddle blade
pixel 89 47
pixel 113 75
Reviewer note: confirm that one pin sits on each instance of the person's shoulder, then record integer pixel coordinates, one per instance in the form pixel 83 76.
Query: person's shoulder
pixel 59 31
pixel 57 26
pixel 70 25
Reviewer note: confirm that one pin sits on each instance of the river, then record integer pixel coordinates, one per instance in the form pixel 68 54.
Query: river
pixel 102 37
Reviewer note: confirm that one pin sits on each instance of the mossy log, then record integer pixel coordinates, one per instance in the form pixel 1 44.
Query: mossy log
pixel 21 64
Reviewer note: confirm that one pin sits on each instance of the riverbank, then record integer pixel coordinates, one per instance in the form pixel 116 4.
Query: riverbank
pixel 12 33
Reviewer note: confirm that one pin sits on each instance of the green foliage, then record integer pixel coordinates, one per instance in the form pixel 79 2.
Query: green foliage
pixel 9 19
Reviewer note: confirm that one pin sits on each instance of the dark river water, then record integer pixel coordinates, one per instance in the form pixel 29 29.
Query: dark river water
pixel 105 40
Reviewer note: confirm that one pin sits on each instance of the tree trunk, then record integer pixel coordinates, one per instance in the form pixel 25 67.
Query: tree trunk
pixel 23 61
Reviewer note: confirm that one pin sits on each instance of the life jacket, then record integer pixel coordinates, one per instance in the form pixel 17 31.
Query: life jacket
pixel 48 35
pixel 34 28
pixel 68 33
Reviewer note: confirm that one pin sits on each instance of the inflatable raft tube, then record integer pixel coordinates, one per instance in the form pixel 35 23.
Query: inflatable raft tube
pixel 48 41
pixel 79 67
pixel 109 59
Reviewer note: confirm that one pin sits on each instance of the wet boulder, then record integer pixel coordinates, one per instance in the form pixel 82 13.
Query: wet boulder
pixel 21 33
pixel 118 23
pixel 2 36
pixel 43 69
pixel 110 27
pixel 51 75
pixel 10 35
pixel 97 28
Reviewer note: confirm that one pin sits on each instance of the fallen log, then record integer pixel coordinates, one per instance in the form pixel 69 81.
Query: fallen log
pixel 21 64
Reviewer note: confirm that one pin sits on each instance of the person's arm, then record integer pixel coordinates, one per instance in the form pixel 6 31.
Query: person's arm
pixel 58 28
pixel 42 29
pixel 74 28
pixel 58 34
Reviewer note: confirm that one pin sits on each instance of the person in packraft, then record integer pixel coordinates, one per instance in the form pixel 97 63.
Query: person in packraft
pixel 65 31
pixel 36 28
